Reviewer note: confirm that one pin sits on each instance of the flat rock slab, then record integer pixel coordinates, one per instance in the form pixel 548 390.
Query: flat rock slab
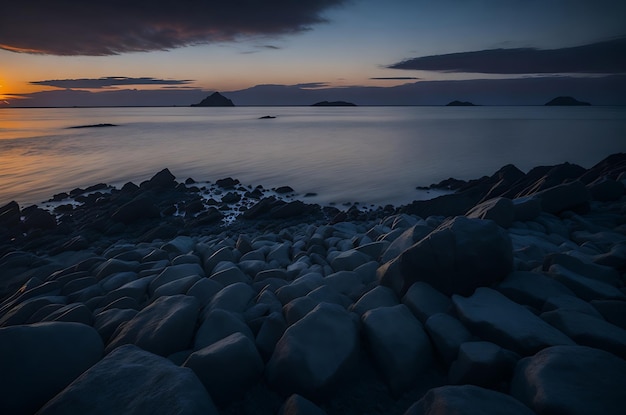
pixel 39 360
pixel 467 400
pixel 164 327
pixel 133 381
pixel 573 380
pixel 315 352
pixel 493 317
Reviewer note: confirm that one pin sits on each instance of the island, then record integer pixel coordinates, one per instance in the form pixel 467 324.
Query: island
pixel 333 104
pixel 566 101
pixel 215 100
pixel 460 104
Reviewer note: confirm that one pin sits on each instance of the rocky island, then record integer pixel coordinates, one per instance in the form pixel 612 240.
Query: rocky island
pixel 333 104
pixel 507 296
pixel 566 101
pixel 460 104
pixel 215 100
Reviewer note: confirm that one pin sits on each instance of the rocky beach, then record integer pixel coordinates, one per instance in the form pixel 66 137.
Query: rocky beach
pixel 506 296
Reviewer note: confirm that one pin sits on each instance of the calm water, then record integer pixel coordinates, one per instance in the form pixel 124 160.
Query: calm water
pixel 368 154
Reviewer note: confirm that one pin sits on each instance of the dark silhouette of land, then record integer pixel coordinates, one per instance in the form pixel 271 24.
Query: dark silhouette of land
pixel 460 104
pixel 94 126
pixel 215 100
pixel 333 104
pixel 566 101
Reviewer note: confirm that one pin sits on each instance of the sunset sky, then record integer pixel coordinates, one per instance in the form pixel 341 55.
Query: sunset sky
pixel 103 52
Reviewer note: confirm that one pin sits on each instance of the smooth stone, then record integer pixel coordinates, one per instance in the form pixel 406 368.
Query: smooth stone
pixel 180 245
pixel 349 260
pixel 315 353
pixel 499 209
pixel 613 311
pixel 164 327
pixel 379 296
pixel 222 254
pixel 568 196
pixel 179 286
pixel 107 322
pixel 271 330
pixel 573 380
pixel 589 331
pixel 235 297
pixel 230 276
pixel 280 254
pixel 424 301
pixel 72 313
pixel 467 400
pixel 132 381
pixel 585 288
pixel 531 288
pixel 400 347
pixel 298 405
pixel 39 360
pixel 217 325
pixel 495 318
pixel 21 312
pixel 526 208
pixel 482 364
pixel 298 308
pixel 447 334
pixel 570 303
pixel 345 282
pixel 227 368
pixel 456 258
pixel 299 287
pixel 204 290
pixel 113 266
pixel 173 273
pixel 405 240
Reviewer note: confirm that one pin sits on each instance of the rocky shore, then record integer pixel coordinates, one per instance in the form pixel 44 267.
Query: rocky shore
pixel 506 297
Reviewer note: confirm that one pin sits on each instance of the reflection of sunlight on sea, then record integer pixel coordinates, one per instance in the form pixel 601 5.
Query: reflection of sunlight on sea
pixel 367 154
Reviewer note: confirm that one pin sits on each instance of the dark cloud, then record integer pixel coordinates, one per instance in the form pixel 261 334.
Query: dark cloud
pixel 394 78
pixel 312 85
pixel 87 83
pixel 108 27
pixel 598 58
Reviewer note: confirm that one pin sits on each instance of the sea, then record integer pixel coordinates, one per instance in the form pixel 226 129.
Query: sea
pixel 370 155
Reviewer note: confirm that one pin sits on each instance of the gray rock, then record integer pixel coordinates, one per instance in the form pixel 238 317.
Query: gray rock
pixel 218 325
pixel 424 301
pixel 204 290
pixel 613 311
pixel 482 364
pixel 116 280
pixel 227 368
pixel 298 405
pixel 379 296
pixel 132 381
pixel 495 318
pixel 585 288
pixel 298 308
pixel 280 254
pixel 107 322
pixel 570 303
pixel 39 360
pixel 179 286
pixel 173 273
pixel 526 208
pixel 272 329
pixel 531 288
pixel 230 276
pixel 349 260
pixel 587 330
pixel 459 256
pixel 299 287
pixel 447 334
pixel 568 196
pixel 467 400
pixel 571 380
pixel 164 327
pixel 399 345
pixel 71 313
pixel 315 353
pixel 235 297
pixel 606 189
pixel 499 209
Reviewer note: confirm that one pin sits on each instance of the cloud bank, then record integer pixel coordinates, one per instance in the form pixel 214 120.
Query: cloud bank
pixel 606 57
pixel 109 27
pixel 98 83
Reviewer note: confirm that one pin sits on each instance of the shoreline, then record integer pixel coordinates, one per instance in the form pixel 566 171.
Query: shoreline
pixel 510 275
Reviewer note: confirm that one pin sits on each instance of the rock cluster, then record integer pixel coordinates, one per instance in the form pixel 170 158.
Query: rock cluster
pixel 516 305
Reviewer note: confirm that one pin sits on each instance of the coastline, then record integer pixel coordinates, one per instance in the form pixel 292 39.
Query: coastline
pixel 246 278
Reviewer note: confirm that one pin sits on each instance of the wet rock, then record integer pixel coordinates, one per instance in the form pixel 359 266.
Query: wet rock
pixel 500 210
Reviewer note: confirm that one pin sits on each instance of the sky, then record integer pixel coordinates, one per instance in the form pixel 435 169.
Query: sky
pixel 288 52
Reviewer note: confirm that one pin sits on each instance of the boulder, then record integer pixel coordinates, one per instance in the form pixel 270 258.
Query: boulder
pixel 37 361
pixel 141 207
pixel 568 196
pixel 227 368
pixel 606 190
pixel 571 380
pixel 499 209
pixel 588 330
pixel 531 288
pixel 456 258
pixel 447 334
pixel 424 301
pixel 315 353
pixel 495 318
pixel 526 208
pixel 271 330
pixel 132 381
pixel 482 364
pixel 584 287
pixel 400 346
pixel 164 327
pixel 467 400
pixel 379 296
pixel 298 405
pixel 217 325
pixel 235 297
